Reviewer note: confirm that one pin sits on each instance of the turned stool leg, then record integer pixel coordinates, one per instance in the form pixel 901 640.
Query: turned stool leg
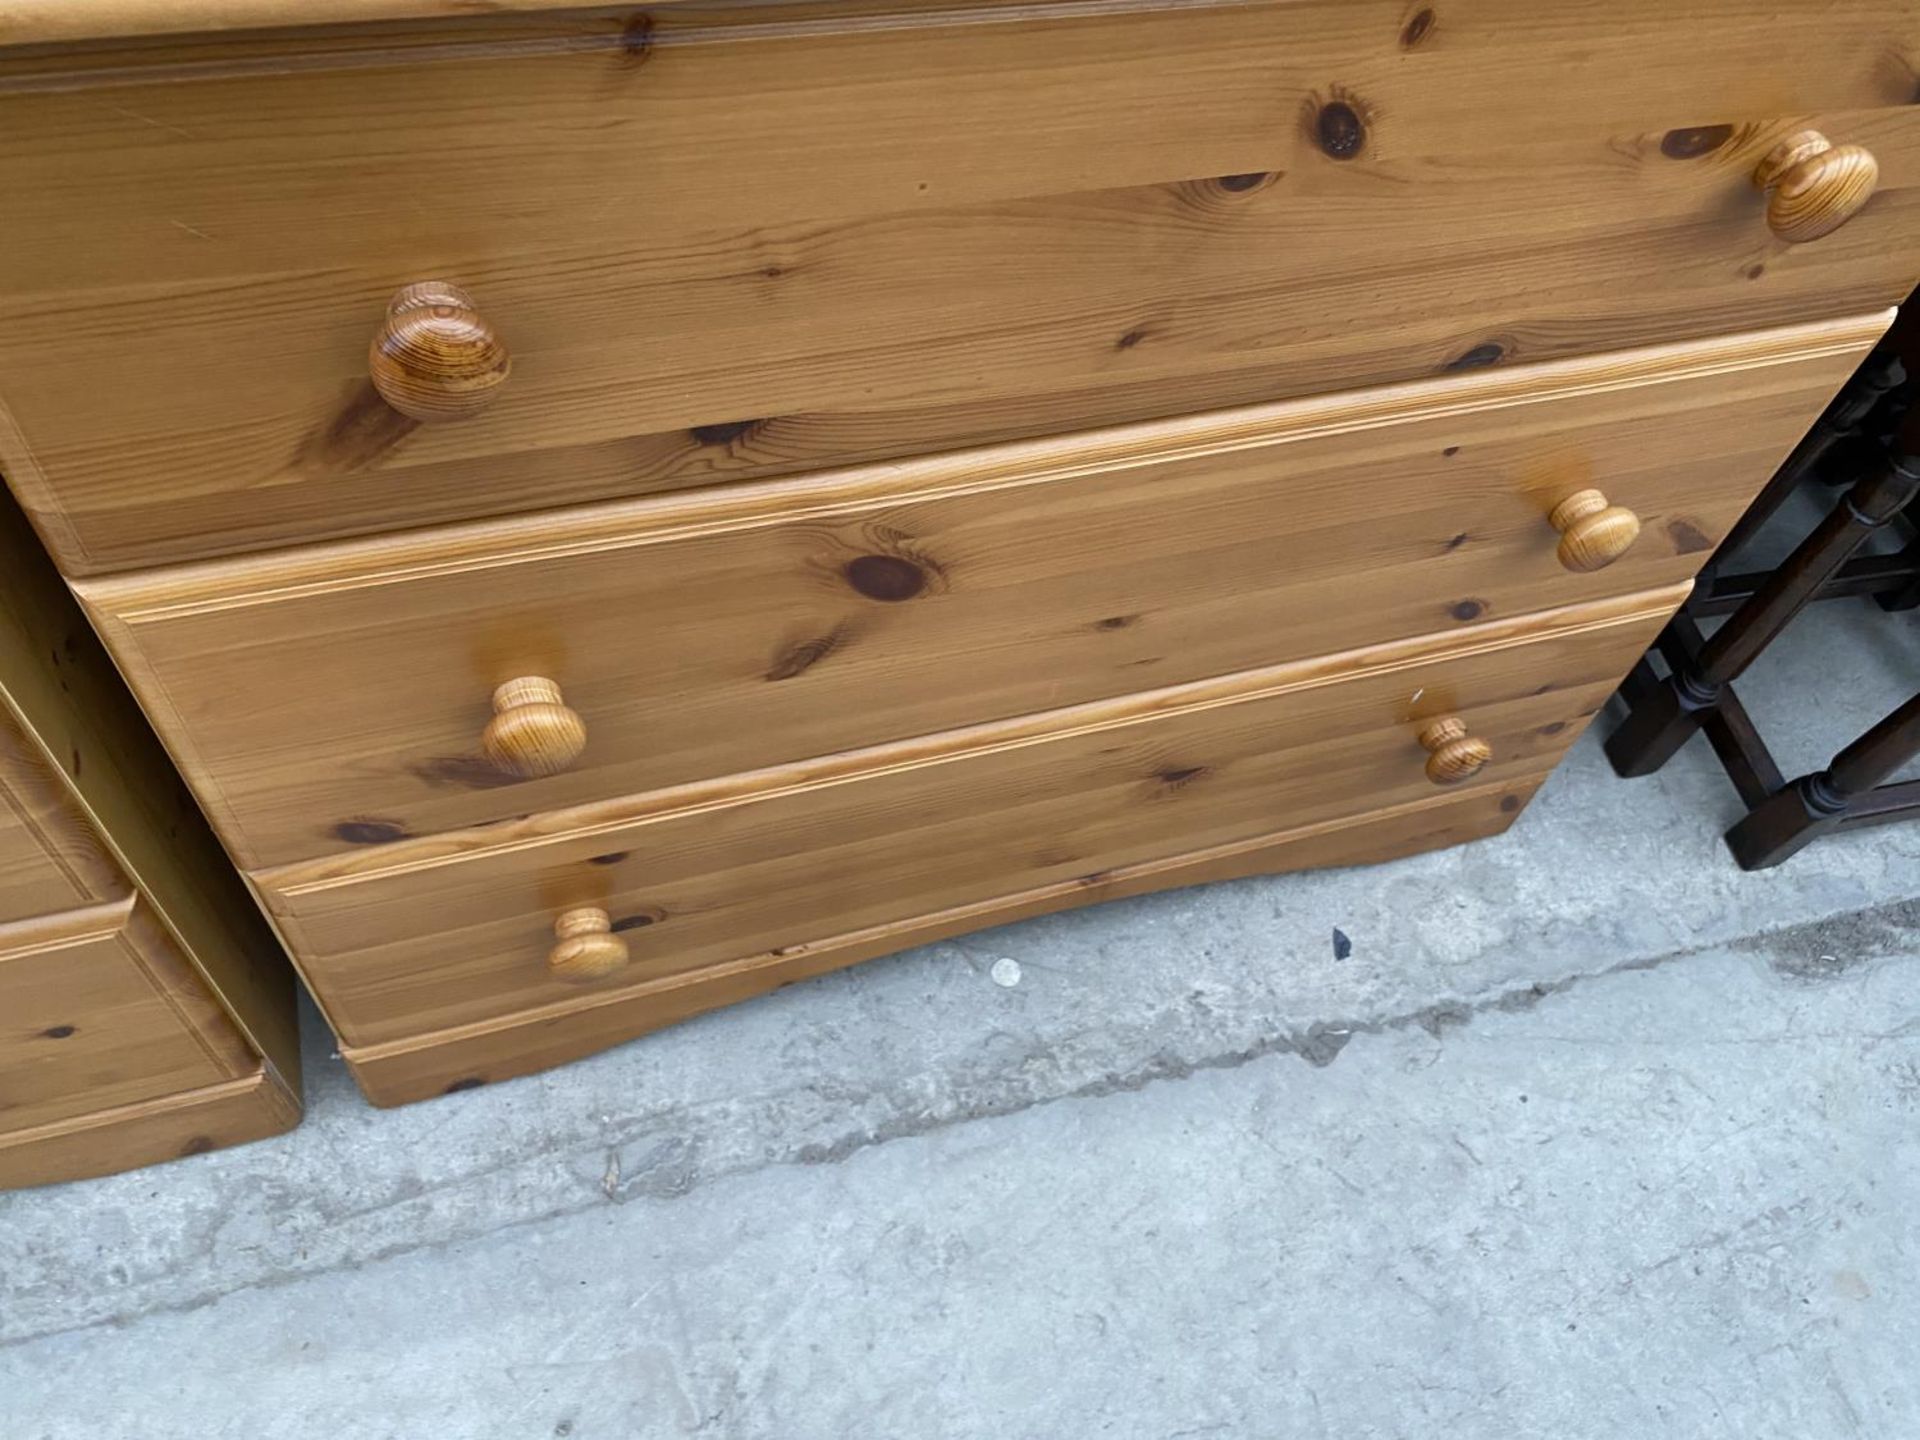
pixel 1843 419
pixel 1907 597
pixel 1666 716
pixel 1811 806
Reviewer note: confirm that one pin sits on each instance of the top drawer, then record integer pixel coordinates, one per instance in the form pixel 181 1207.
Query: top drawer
pixel 748 239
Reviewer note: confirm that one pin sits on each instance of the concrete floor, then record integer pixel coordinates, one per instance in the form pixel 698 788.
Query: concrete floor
pixel 1590 1135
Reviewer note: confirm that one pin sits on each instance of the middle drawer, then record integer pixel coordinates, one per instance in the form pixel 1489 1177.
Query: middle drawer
pixel 338 696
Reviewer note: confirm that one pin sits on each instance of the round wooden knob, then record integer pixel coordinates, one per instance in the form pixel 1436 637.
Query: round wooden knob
pixel 532 732
pixel 1814 186
pixel 587 948
pixel 1593 534
pixel 436 358
pixel 1452 754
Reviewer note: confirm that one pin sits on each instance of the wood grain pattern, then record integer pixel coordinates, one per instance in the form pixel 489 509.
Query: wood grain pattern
pixel 587 948
pixel 61 696
pixel 1453 752
pixel 753 865
pixel 97 1010
pixel 533 733
pixel 41 22
pixel 421 1066
pixel 1036 216
pixel 50 859
pixel 701 635
pixel 146 1132
pixel 1594 532
pixel 436 358
pixel 1813 186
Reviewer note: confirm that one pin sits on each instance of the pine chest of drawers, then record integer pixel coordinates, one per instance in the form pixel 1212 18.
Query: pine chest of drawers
pixel 616 510
pixel 146 1011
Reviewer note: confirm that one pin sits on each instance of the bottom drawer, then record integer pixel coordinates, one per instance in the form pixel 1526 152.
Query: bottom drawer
pixel 747 871
pixel 98 1009
pixel 417 1067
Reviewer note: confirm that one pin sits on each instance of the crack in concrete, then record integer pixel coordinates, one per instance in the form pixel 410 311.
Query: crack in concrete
pixel 1820 950
pixel 1319 1045
pixel 1839 944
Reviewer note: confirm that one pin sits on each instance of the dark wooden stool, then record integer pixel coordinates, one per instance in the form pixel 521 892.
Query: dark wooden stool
pixel 1697 693
pixel 1848 792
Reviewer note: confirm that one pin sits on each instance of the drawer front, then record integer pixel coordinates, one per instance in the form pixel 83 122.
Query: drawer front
pixel 52 856
pixel 97 1010
pixel 835 847
pixel 32 879
pixel 724 241
pixel 416 1067
pixel 707 635
pixel 50 859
